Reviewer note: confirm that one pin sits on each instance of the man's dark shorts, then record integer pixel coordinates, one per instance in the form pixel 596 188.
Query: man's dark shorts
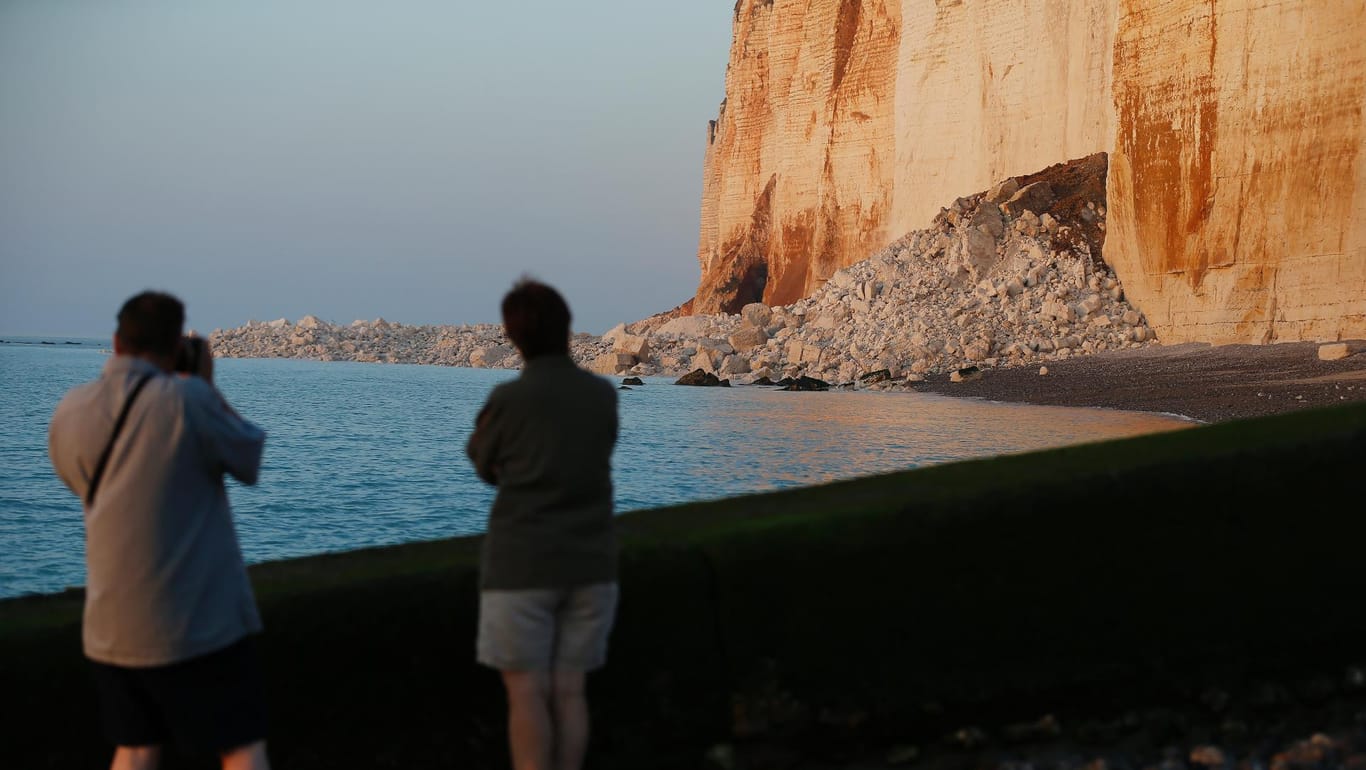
pixel 210 704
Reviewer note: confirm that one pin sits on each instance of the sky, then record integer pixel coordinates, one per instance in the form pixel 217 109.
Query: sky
pixel 408 160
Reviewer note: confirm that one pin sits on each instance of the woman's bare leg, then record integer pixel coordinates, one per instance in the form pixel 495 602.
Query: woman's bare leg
pixel 571 719
pixel 249 757
pixel 531 734
pixel 136 758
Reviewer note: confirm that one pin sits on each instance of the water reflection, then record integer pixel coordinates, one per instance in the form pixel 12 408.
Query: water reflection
pixel 366 454
pixel 680 444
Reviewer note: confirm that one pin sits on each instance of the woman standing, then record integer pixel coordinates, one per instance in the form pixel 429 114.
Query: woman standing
pixel 548 590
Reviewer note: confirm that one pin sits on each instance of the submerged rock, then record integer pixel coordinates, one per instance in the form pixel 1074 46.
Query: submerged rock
pixel 872 378
pixel 807 383
pixel 703 378
pixel 966 374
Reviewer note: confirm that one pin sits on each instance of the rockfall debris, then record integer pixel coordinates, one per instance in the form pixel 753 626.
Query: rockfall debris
pixel 1009 277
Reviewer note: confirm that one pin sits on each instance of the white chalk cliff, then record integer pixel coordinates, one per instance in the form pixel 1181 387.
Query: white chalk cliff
pixel 1236 187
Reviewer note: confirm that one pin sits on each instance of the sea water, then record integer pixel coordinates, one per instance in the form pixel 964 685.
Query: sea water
pixel 371 454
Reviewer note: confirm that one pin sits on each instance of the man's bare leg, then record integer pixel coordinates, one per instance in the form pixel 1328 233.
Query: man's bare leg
pixel 530 732
pixel 136 758
pixel 249 757
pixel 571 719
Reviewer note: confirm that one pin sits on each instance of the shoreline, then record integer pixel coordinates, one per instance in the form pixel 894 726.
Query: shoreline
pixel 1206 383
pixel 1197 382
pixel 1192 381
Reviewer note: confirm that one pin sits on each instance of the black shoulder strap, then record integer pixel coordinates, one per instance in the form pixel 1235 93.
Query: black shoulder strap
pixel 118 428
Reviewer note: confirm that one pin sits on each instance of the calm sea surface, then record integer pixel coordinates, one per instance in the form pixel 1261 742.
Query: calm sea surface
pixel 371 454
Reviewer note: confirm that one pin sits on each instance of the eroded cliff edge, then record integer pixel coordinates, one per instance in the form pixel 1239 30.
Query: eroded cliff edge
pixel 1237 181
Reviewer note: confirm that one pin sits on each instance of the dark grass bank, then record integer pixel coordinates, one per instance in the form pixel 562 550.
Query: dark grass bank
pixel 890 610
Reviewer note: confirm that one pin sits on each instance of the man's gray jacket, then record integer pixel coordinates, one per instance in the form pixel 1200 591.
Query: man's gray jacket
pixel 165 577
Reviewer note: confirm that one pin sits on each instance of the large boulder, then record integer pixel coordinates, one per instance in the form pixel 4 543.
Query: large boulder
pixel 873 378
pixel 977 350
pixel 979 251
pixel 633 344
pixel 1336 351
pixel 1003 191
pixel 702 378
pixel 489 356
pixel 705 360
pixel 988 220
pixel 807 383
pixel 812 352
pixel 734 364
pixel 747 338
pixel 687 326
pixel 756 314
pixel 715 345
pixel 833 317
pixel 966 374
pixel 1035 198
pixel 614 334
pixel 611 363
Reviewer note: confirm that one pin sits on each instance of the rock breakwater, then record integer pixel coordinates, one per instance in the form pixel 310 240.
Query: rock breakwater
pixel 381 341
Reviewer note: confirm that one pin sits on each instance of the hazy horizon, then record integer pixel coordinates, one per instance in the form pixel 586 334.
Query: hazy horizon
pixel 350 161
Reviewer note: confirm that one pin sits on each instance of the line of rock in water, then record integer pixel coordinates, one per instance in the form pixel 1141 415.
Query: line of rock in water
pixel 1003 278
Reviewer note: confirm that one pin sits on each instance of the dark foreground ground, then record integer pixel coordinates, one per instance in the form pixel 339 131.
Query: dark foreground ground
pixel 1208 383
pixel 1299 722
pixel 1310 718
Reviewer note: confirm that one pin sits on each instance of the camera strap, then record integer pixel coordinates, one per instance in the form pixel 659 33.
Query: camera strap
pixel 108 448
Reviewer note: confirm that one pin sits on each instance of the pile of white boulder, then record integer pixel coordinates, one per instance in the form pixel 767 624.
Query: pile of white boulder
pixel 991 283
pixel 997 280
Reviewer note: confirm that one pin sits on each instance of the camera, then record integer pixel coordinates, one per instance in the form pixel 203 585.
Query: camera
pixel 189 357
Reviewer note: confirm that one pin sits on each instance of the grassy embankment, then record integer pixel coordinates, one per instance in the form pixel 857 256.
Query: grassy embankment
pixel 895 607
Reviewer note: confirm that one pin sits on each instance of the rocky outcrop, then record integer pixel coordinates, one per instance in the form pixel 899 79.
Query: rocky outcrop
pixel 1238 181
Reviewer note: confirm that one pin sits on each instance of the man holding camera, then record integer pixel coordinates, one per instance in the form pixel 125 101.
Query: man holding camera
pixel 169 612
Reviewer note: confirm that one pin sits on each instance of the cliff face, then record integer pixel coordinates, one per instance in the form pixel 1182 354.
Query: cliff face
pixel 1237 189
pixel 1238 177
pixel 989 90
pixel 799 163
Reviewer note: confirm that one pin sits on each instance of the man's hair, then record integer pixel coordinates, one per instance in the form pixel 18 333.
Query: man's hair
pixel 150 322
pixel 536 318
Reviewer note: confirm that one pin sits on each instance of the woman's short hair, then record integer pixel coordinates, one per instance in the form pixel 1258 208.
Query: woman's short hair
pixel 536 319
pixel 151 322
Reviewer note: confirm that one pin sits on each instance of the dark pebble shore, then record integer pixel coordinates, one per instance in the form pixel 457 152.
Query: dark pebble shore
pixel 1269 725
pixel 1207 383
